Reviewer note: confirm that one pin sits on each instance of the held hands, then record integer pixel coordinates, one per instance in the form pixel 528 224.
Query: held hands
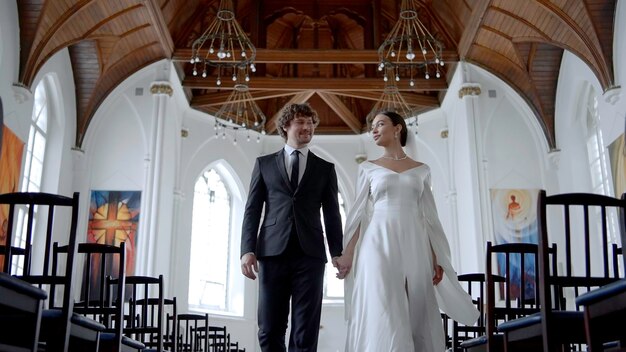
pixel 343 265
pixel 249 265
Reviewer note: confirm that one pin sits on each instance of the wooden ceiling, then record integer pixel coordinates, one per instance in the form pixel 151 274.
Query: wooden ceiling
pixel 320 51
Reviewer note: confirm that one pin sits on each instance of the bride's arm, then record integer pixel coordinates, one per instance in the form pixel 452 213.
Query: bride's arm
pixel 344 263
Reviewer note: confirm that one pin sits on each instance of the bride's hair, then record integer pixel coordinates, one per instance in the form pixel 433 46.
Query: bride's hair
pixel 396 119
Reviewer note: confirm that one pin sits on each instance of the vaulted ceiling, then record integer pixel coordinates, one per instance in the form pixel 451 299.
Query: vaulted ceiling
pixel 320 51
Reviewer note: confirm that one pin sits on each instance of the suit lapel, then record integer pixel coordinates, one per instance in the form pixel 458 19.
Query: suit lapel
pixel 282 170
pixel 311 160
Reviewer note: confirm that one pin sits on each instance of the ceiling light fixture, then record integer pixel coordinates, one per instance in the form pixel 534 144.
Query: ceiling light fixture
pixel 229 48
pixel 240 112
pixel 410 46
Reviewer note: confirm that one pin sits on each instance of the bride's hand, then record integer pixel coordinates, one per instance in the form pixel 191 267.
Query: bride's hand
pixel 438 276
pixel 343 265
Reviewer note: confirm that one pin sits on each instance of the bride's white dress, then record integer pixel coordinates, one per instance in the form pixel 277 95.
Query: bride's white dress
pixel 391 303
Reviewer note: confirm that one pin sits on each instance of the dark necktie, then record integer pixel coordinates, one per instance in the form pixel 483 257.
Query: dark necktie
pixel 295 168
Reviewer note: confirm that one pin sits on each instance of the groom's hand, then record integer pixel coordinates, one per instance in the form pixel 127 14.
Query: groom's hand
pixel 249 265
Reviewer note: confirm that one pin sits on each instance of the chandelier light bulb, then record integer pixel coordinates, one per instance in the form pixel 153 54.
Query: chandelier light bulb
pixel 385 78
pixel 256 123
pixel 412 83
pixel 247 78
pixel 192 60
pixel 438 75
pixel 218 82
pixel 441 62
pixel 228 54
pixel 410 55
pixel 221 54
pixel 427 76
pixel 397 77
pixel 252 68
pixel 204 74
pixel 234 77
pixel 195 72
pixel 197 59
pixel 211 50
pixel 243 53
pixel 424 51
pixel 436 60
pixel 393 53
pixel 263 132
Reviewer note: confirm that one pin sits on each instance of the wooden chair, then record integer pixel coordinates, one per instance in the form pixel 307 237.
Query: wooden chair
pixel 511 290
pixel 20 314
pixel 219 339
pixel 583 264
pixel 56 217
pixel 604 314
pixel 474 284
pixel 169 321
pixel 144 310
pixel 193 332
pixel 96 302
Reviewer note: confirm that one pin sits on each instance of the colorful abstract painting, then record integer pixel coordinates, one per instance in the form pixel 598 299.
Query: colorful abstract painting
pixel 11 152
pixel 114 218
pixel 515 221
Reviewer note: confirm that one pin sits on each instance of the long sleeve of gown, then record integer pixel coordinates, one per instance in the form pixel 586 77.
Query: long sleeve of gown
pixel 357 219
pixel 451 297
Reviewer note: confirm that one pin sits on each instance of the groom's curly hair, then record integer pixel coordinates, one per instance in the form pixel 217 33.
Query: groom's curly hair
pixel 292 111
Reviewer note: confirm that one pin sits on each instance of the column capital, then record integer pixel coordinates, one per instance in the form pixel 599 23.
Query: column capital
pixel 21 93
pixel 613 95
pixel 161 88
pixel 469 90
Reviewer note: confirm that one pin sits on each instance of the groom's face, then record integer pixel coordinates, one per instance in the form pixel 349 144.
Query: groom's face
pixel 300 131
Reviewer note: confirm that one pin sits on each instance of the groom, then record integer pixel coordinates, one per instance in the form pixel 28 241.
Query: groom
pixel 287 251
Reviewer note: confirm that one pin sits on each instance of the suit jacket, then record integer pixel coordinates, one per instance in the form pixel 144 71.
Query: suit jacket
pixel 270 187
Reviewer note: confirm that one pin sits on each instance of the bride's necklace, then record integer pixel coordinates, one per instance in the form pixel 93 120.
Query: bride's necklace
pixel 395 158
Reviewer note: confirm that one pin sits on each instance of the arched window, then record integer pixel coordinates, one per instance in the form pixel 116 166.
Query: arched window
pixel 33 160
pixel 214 284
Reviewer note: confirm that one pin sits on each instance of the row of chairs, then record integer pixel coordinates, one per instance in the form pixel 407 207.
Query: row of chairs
pixel 573 269
pixel 114 312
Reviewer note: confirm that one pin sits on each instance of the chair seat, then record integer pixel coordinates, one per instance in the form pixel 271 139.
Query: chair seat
pixel 601 293
pixel 49 315
pixel 22 287
pixel 480 343
pixel 107 337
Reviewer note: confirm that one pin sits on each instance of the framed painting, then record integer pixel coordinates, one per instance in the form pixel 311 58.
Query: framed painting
pixel 11 152
pixel 114 218
pixel 515 221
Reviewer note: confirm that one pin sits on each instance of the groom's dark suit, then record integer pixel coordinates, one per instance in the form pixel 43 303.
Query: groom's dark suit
pixel 290 246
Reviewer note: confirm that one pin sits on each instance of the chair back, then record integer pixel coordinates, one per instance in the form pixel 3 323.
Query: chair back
pixel 193 332
pixel 144 307
pixel 474 284
pixel 96 302
pixel 219 338
pixel 34 220
pixel 580 223
pixel 511 284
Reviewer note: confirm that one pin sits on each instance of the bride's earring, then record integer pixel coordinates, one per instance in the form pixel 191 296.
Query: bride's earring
pixel 395 135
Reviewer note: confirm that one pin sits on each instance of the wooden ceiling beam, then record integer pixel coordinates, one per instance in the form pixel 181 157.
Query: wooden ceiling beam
pixel 410 98
pixel 472 26
pixel 218 98
pixel 342 111
pixel 318 56
pixel 319 84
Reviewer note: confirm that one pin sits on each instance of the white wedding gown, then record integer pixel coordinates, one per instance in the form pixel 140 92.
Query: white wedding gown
pixel 391 303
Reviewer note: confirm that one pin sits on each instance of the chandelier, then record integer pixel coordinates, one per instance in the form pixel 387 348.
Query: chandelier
pixel 410 48
pixel 225 46
pixel 240 112
pixel 392 100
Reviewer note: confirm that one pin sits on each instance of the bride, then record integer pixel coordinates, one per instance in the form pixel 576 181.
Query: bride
pixel 396 259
